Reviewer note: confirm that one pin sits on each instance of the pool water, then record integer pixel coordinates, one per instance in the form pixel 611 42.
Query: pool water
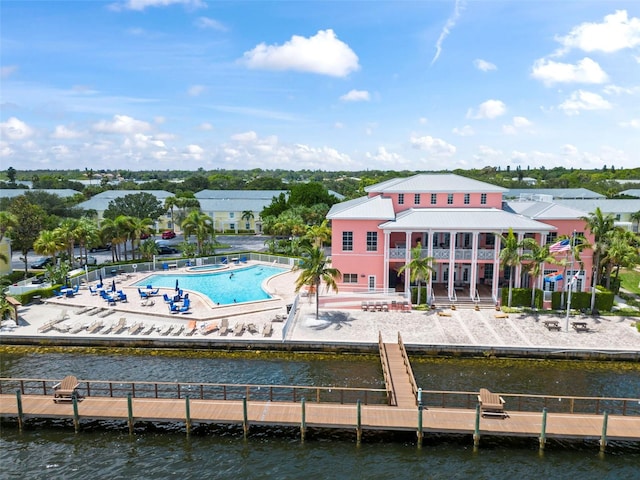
pixel 207 268
pixel 224 288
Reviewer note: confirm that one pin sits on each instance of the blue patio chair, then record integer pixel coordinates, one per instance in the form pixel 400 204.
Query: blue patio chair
pixel 76 289
pixel 57 293
pixel 69 293
pixel 173 308
pixel 166 298
pixel 185 306
pixel 243 259
pixel 153 292
pixel 92 290
pixel 142 294
pixel 165 266
pixel 224 260
pixel 123 297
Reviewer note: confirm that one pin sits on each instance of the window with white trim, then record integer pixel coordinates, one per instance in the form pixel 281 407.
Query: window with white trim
pixel 416 199
pixel 483 199
pixel 450 199
pixel 372 241
pixel 401 199
pixel 467 199
pixel 350 278
pixel 434 198
pixel 347 241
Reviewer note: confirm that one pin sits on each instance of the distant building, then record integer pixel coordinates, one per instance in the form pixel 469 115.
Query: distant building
pixel 550 193
pixel 61 192
pixel 228 207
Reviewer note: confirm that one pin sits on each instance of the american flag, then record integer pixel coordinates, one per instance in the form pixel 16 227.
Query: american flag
pixel 561 246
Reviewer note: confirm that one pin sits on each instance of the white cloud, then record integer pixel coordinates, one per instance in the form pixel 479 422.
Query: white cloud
pixel 7 70
pixel 483 65
pixel 121 124
pixel 140 5
pixel 617 90
pixel 196 90
pixel 465 131
pixel 356 96
pixel 423 120
pixel 446 30
pixel 194 152
pixel 616 32
pixel 338 125
pixel 63 132
pixel 15 129
pixel 323 54
pixel 488 110
pixel 486 153
pixel 205 127
pixel 583 100
pixel 384 157
pixel 210 23
pixel 585 71
pixel 434 146
pixel 518 124
pixel 245 137
pixel 633 123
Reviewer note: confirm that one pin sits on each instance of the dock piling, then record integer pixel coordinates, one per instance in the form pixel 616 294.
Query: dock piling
pixel 76 416
pixel 303 422
pixel 20 414
pixel 543 431
pixel 603 438
pixel 245 417
pixel 188 414
pixel 476 430
pixel 359 422
pixel 420 425
pixel 130 413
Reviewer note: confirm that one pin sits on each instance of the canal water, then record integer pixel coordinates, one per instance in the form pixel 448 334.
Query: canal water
pixel 47 449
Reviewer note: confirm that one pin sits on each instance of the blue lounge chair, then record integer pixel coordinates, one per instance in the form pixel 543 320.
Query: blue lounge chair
pixel 173 308
pixel 166 298
pixel 92 290
pixel 185 306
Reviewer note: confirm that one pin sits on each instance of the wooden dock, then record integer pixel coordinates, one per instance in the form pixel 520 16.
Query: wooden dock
pixel 393 409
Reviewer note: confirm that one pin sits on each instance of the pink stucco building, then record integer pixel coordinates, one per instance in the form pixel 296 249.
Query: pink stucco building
pixel 456 221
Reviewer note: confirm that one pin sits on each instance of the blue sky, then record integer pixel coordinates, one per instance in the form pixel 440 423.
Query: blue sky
pixel 340 85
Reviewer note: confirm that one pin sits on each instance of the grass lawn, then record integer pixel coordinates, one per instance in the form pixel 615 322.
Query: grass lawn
pixel 630 280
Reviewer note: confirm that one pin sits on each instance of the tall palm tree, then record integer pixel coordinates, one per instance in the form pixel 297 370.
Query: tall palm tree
pixel 186 205
pixel 169 204
pixel 137 227
pixel 622 250
pixel 510 257
pixel 86 233
pixel 599 225
pixel 314 269
pixel 247 216
pixel 420 268
pixel 49 243
pixel 198 224
pixel 66 233
pixel 537 255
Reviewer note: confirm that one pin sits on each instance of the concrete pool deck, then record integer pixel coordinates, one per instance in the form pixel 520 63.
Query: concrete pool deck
pixel 341 324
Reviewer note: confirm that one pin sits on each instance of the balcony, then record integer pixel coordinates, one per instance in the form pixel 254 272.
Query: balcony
pixel 443 253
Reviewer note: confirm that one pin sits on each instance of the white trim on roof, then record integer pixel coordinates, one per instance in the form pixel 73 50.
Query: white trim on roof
pixel 434 183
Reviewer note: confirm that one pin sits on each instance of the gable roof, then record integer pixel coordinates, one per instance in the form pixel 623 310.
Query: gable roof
pixel 554 192
pixel 607 205
pixel 632 192
pixel 363 208
pixel 478 219
pixel 543 210
pixel 239 194
pixel 434 183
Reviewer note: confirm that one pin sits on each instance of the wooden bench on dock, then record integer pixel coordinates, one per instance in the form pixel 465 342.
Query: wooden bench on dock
pixel 491 403
pixel 66 389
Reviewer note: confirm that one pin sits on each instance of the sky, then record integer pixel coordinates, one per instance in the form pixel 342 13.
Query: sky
pixel 338 85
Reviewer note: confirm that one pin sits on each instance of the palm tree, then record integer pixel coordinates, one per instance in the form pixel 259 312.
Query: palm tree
pixel 137 227
pixel 86 233
pixel 114 231
pixel 314 269
pixel 599 225
pixel 247 215
pixel 184 204
pixel 622 250
pixel 510 257
pixel 148 249
pixel 420 268
pixel 169 204
pixel 537 255
pixel 49 243
pixel 66 233
pixel 318 234
pixel 198 224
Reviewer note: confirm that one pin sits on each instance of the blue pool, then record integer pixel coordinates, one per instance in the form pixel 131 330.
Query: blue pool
pixel 225 288
pixel 207 268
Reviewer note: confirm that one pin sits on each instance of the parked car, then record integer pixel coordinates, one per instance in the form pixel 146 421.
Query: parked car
pixel 168 234
pixel 90 261
pixel 144 236
pixel 101 248
pixel 42 262
pixel 164 250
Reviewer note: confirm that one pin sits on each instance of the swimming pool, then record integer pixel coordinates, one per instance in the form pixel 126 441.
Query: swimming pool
pixel 224 288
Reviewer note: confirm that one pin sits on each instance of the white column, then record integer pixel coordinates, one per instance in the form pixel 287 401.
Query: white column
pixel 496 266
pixel 474 264
pixel 385 274
pixel 452 260
pixel 518 274
pixel 434 264
pixel 407 259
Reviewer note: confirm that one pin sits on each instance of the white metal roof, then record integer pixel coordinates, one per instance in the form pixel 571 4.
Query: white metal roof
pixel 607 205
pixel 434 183
pixel 467 219
pixel 554 192
pixel 544 210
pixel 363 208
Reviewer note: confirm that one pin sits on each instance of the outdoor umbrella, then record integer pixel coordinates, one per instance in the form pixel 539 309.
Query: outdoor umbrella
pixel 113 286
pixel 100 275
pixel 177 288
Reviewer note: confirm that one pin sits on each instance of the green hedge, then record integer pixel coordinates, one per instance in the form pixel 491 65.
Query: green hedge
pixel 46 292
pixel 582 300
pixel 521 297
pixel 423 295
